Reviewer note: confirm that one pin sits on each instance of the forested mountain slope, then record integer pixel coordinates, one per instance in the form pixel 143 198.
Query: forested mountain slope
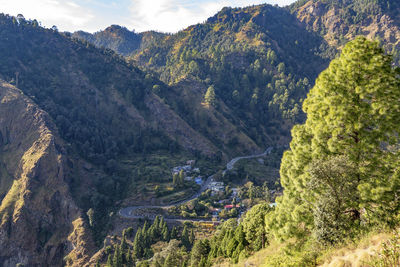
pixel 259 60
pixel 101 110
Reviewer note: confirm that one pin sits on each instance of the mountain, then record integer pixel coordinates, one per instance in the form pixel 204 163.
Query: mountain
pixel 120 39
pixel 262 60
pixel 339 21
pixel 70 128
pixel 259 59
pixel 40 221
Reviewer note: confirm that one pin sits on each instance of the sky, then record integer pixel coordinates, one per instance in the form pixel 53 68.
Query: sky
pixel 139 15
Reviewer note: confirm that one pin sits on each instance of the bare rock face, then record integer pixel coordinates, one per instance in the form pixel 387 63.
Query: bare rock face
pixel 336 26
pixel 37 213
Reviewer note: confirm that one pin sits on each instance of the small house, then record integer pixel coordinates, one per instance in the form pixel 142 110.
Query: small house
pixel 228 207
pixel 198 180
pixel 191 162
pixel 235 191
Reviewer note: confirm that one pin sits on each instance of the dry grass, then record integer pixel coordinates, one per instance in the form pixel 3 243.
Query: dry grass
pixel 351 255
pixel 257 259
pixel 356 255
pixel 10 201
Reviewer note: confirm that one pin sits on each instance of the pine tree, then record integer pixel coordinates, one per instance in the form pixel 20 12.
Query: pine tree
pixel 254 225
pixel 117 258
pixel 123 245
pixel 353 111
pixel 170 260
pixel 185 237
pixel 199 252
pixel 156 222
pixel 128 258
pixel 174 233
pixel 138 245
pixel 181 178
pixel 175 178
pixel 210 97
pixel 192 237
pixel 165 234
pixel 109 261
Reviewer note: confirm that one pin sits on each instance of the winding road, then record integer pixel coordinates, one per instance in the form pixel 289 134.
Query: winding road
pixel 231 164
pixel 128 212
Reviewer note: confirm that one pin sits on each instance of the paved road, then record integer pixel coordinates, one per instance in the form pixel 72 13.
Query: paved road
pixel 128 211
pixel 231 164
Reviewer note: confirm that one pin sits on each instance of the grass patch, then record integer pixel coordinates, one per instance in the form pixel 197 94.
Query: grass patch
pixel 10 201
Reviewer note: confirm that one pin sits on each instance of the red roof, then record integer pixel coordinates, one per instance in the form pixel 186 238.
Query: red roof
pixel 230 206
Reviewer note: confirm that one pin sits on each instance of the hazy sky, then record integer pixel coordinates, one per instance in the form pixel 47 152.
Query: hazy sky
pixel 140 15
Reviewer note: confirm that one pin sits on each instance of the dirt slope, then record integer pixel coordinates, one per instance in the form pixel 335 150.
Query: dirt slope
pixel 39 218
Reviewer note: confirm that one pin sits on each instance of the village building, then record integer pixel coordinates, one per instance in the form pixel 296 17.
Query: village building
pixel 189 178
pixel 198 180
pixel 235 192
pixel 191 162
pixel 229 207
pixel 185 168
pixel 217 186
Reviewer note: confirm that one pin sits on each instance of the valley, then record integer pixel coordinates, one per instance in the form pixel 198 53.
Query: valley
pixel 128 212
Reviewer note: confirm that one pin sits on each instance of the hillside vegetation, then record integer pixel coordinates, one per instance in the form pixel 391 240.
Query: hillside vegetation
pixel 340 177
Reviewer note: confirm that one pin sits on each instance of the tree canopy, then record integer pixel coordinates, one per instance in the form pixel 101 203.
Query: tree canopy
pixel 353 112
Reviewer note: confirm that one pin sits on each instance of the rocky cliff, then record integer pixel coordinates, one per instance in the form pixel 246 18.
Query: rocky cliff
pixel 341 21
pixel 40 223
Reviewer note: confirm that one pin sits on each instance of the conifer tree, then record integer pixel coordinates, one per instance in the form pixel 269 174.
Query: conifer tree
pixel 109 261
pixel 128 258
pixel 192 237
pixel 210 98
pixel 185 237
pixel 175 178
pixel 117 258
pixel 353 111
pixel 174 233
pixel 254 226
pixel 181 178
pixel 165 234
pixel 123 245
pixel 170 260
pixel 138 245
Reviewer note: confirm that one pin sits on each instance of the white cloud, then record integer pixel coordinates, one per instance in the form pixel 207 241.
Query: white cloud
pixel 141 15
pixel 67 15
pixel 174 15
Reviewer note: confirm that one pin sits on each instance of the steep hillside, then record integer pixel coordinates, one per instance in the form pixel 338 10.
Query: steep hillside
pixel 103 111
pixel 39 218
pixel 260 75
pixel 340 21
pixel 261 60
pixel 103 106
pixel 258 72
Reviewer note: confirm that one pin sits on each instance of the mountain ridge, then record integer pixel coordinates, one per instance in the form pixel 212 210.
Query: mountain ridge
pixel 39 200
